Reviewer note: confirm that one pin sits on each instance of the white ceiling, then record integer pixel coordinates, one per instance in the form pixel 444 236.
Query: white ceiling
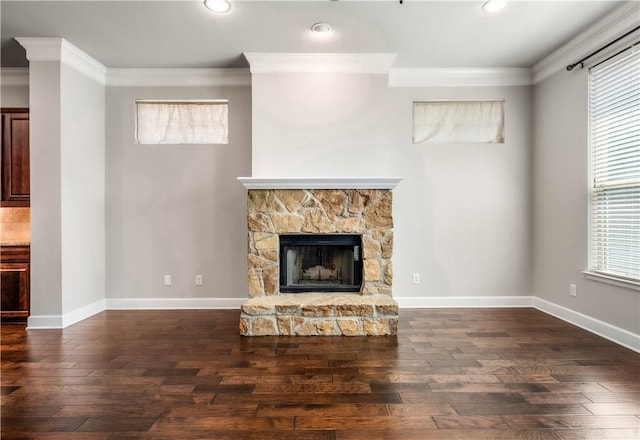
pixel 183 34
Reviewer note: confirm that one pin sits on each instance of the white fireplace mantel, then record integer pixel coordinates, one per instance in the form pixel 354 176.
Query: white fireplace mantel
pixel 319 182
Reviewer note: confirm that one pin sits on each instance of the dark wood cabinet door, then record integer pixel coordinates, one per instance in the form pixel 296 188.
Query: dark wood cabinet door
pixel 15 158
pixel 15 290
pixel 14 282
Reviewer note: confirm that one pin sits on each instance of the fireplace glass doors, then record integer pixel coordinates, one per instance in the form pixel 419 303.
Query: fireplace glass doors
pixel 320 263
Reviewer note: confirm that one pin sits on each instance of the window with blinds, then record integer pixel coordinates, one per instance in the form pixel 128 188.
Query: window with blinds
pixel 182 122
pixel 614 110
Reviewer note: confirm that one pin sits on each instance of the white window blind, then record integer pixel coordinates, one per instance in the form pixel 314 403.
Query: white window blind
pixel 458 122
pixel 615 162
pixel 182 122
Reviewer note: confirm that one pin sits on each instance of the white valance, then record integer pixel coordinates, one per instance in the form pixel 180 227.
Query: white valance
pixel 184 122
pixel 458 122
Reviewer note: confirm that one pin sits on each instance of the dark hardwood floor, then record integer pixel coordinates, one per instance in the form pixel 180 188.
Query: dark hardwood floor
pixel 449 374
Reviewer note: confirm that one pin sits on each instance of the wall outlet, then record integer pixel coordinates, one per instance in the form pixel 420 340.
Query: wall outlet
pixel 167 280
pixel 416 278
pixel 573 290
pixel 198 280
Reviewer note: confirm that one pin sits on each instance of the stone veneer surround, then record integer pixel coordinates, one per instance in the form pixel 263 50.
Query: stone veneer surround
pixel 317 210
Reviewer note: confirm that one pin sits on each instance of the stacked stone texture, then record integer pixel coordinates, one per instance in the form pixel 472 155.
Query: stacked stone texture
pixel 366 212
pixel 311 314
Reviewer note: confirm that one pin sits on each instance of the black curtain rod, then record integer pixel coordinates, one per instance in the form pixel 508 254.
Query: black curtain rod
pixel 581 62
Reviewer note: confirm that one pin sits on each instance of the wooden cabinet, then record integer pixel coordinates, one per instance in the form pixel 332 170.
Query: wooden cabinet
pixel 14 271
pixel 15 157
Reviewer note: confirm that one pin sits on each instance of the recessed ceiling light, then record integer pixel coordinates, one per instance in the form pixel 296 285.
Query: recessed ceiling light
pixel 494 5
pixel 321 28
pixel 218 5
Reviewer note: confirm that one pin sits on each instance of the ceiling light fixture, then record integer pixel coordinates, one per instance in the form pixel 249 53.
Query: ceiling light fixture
pixel 321 28
pixel 494 5
pixel 221 6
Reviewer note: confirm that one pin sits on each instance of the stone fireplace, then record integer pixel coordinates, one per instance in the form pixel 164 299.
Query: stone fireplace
pixel 319 257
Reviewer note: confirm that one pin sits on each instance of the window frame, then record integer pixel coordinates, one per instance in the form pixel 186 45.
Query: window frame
pixel 597 271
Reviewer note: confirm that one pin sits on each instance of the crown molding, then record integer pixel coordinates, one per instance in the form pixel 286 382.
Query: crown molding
pixel 460 76
pixel 610 27
pixel 14 76
pixel 177 77
pixel 398 77
pixel 319 182
pixel 42 49
pixel 369 63
pixel 83 63
pixel 59 49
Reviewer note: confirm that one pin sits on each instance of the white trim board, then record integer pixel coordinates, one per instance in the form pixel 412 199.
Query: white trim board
pixel 460 77
pixel 41 322
pixel 367 63
pixel 615 334
pixel 173 303
pixel 439 302
pixel 178 77
pixel 59 49
pixel 44 322
pixel 319 182
pixel 612 26
pixel 398 77
pixel 14 76
pixel 611 332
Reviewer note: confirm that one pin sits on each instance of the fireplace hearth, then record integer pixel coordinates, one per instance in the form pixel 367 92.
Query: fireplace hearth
pixel 319 258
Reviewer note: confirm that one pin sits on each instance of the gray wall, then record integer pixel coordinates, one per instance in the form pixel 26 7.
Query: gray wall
pixel 46 211
pixel 473 220
pixel 176 209
pixel 67 191
pixel 561 191
pixel 320 124
pixel 82 165
pixel 462 213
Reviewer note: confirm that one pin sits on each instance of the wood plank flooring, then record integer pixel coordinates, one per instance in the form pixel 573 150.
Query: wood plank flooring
pixel 449 374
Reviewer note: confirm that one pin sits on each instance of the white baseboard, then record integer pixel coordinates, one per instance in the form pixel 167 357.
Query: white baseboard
pixel 62 321
pixel 614 334
pixel 439 302
pixel 173 303
pixel 44 322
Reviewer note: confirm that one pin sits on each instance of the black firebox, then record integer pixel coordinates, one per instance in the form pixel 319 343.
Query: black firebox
pixel 320 263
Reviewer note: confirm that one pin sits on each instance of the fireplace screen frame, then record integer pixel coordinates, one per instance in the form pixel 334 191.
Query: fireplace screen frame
pixel 344 243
